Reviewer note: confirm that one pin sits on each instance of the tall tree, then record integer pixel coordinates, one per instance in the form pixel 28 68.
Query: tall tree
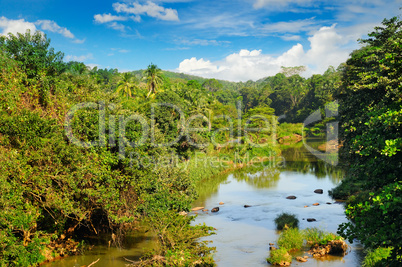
pixel 153 75
pixel 126 84
pixel 371 121
pixel 33 52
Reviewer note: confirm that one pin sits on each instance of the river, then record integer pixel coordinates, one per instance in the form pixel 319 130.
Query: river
pixel 243 234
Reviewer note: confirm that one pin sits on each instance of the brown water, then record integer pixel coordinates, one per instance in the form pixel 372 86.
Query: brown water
pixel 243 234
pixel 134 247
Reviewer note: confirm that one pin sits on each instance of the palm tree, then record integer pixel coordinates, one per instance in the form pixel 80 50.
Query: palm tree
pixel 153 75
pixel 126 84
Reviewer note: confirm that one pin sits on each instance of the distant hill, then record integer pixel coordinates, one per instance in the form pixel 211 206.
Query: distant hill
pixel 226 85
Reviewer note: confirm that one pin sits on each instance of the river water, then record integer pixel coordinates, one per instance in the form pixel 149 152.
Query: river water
pixel 243 234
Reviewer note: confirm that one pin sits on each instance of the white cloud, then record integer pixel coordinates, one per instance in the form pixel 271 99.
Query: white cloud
pixel 296 26
pixel 108 18
pixel 81 58
pixel 289 37
pixel 327 47
pixel 201 42
pixel 78 41
pixel 117 26
pixel 21 26
pixel 151 9
pixel 92 65
pixel 277 3
pixel 15 26
pixel 48 25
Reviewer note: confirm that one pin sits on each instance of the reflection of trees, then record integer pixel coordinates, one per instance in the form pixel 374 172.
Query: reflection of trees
pixel 298 158
pixel 260 178
pixel 208 187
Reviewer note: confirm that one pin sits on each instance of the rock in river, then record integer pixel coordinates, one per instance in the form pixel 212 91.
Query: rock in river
pixel 216 209
pixel 197 208
pixel 247 206
pixel 301 259
pixel 291 197
pixel 311 220
pixel 319 191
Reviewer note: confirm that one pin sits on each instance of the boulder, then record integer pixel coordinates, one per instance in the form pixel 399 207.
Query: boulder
pixel 291 197
pixel 334 247
pixel 221 203
pixel 247 206
pixel 197 208
pixel 318 191
pixel 316 204
pixel 311 220
pixel 301 259
pixel 216 209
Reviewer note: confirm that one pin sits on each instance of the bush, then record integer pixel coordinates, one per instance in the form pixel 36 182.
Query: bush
pixel 279 256
pixel 291 239
pixel 375 257
pixel 286 219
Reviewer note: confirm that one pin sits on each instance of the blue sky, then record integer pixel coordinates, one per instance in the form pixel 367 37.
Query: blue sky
pixel 232 40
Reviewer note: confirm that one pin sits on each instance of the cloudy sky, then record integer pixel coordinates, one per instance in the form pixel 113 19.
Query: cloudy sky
pixel 226 39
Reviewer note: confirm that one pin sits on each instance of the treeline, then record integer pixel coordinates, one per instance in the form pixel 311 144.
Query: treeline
pixel 370 103
pixel 95 151
pixel 54 190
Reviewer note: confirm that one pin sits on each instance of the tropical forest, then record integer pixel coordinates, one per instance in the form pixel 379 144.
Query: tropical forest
pixel 151 167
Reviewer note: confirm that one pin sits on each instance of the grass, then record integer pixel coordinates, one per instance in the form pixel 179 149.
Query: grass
pixel 276 257
pixel 285 220
pixel 287 129
pixel 291 239
pixel 318 236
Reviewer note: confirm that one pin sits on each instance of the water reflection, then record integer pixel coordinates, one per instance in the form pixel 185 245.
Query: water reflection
pixel 243 234
pixel 259 178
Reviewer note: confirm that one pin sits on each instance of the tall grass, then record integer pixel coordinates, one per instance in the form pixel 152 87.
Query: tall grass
pixel 291 239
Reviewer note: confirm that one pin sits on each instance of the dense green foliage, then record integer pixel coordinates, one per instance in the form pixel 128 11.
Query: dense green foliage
pixel 95 151
pixel 371 122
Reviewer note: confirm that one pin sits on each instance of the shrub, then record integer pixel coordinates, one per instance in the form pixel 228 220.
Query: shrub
pixel 279 256
pixel 286 219
pixel 375 257
pixel 291 239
